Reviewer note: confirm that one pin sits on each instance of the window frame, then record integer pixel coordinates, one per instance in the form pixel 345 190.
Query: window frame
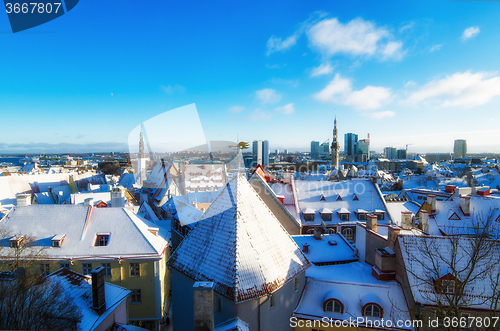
pixel 86 266
pixel 136 296
pixel 107 269
pixel 369 307
pixel 349 237
pixel 134 269
pixel 99 240
pixel 335 303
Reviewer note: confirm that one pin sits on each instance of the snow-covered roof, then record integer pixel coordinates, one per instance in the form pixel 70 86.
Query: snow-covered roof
pixel 234 324
pixel 396 208
pixel 354 195
pixel 79 198
pixel 424 258
pixel 185 213
pixel 129 236
pixel 240 246
pixel 79 288
pixel 354 286
pixel 329 248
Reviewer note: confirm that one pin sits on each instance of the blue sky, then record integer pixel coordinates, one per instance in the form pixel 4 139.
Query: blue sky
pixel 421 73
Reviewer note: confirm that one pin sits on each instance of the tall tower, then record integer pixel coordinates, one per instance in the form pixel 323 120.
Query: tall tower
pixel 141 160
pixel 335 146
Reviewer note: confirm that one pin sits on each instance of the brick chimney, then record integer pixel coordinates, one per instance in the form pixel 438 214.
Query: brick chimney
pixel 465 205
pixel 406 218
pixel 98 298
pixel 371 222
pixel 392 234
pixel 431 199
pixel 424 221
pixel 305 248
pixel 203 303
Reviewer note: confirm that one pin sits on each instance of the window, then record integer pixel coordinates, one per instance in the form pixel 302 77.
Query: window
pixel 297 283
pixel 380 216
pixel 334 306
pixel 330 231
pixel 136 297
pixel 327 217
pixel 448 286
pixel 344 217
pixel 373 311
pixel 348 234
pixel 44 269
pixel 272 300
pixel 56 243
pixel 64 265
pixel 362 217
pixel 135 270
pixel 101 240
pixel 86 268
pixel 309 217
pixel 218 304
pixel 107 269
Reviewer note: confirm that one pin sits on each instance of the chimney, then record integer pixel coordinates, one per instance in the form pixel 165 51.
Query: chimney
pixel 450 189
pixel 431 199
pixel 406 219
pixel 88 202
pixel 98 299
pixel 392 234
pixel 203 303
pixel 117 197
pixel 371 222
pixel 305 248
pixel 465 205
pixel 424 221
pixel 23 199
pixel 317 234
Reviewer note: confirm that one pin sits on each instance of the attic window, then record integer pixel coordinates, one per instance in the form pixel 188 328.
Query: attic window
pixel 326 217
pixel 454 217
pixel 333 305
pixel 16 241
pixel 448 286
pixel 372 310
pixel 322 198
pixel 154 231
pixel 57 240
pixel 101 240
pixel 355 198
pixel 339 198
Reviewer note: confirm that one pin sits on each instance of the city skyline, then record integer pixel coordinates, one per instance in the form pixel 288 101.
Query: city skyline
pixel 423 74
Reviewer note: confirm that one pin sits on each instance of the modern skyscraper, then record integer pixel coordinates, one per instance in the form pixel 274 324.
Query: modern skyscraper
pixel 314 150
pixel 390 153
pixel 260 153
pixel 324 149
pixel 460 148
pixel 402 154
pixel 350 142
pixel 335 146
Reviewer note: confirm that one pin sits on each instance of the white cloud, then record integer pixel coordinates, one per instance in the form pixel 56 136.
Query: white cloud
pixel 236 109
pixel 381 114
pixel 436 48
pixel 259 115
pixel 275 44
pixel 324 69
pixel 268 95
pixel 276 66
pixel 287 109
pixel 172 88
pixel 470 32
pixel 460 89
pixel 357 37
pixel 339 91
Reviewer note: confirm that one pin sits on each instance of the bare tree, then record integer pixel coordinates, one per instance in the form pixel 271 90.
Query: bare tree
pixel 456 275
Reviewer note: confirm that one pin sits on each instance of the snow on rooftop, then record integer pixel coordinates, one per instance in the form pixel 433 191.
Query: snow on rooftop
pixel 330 248
pixel 128 233
pixel 424 269
pixel 79 288
pixel 185 213
pixel 351 284
pixel 240 246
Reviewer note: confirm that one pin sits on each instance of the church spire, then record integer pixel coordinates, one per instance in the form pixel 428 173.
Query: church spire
pixel 335 145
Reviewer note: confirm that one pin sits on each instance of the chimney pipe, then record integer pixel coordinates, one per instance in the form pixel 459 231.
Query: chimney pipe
pixel 465 205
pixel 98 298
pixel 203 302
pixel 371 222
pixel 406 219
pixel 305 248
pixel 431 199
pixel 424 221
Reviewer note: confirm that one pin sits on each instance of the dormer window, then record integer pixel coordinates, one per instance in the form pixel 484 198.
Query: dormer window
pixel 308 215
pixel 355 198
pixel 16 241
pixel 339 198
pixel 372 310
pixel 333 305
pixel 322 198
pixel 101 240
pixel 327 217
pixel 57 240
pixel 448 286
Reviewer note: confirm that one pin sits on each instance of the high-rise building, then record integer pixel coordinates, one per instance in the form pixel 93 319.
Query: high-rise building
pixel 335 146
pixel 363 150
pixel 260 153
pixel 390 153
pixel 324 149
pixel 350 142
pixel 460 149
pixel 314 149
pixel 402 154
